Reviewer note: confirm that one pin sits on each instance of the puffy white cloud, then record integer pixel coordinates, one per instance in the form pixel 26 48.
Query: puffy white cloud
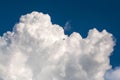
pixel 113 74
pixel 39 50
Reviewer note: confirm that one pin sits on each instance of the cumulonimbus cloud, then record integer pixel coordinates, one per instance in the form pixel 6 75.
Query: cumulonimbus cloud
pixel 36 49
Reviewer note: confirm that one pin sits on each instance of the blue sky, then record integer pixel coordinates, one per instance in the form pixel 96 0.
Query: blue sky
pixel 82 15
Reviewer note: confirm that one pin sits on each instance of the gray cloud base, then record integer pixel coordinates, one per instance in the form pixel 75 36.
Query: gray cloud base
pixel 39 50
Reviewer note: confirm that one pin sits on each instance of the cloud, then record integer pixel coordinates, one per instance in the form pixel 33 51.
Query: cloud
pixel 36 49
pixel 67 26
pixel 113 74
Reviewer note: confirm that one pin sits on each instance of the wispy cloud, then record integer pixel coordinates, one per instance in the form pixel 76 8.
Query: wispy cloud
pixel 67 26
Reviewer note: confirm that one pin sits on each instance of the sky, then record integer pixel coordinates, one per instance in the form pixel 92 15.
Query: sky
pixel 74 16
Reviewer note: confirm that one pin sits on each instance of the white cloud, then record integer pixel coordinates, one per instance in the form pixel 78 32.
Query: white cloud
pixel 39 50
pixel 113 74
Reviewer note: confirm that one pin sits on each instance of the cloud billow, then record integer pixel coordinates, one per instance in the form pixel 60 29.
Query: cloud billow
pixel 113 74
pixel 36 49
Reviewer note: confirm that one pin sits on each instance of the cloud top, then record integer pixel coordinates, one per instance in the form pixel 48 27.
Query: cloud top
pixel 113 74
pixel 39 50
